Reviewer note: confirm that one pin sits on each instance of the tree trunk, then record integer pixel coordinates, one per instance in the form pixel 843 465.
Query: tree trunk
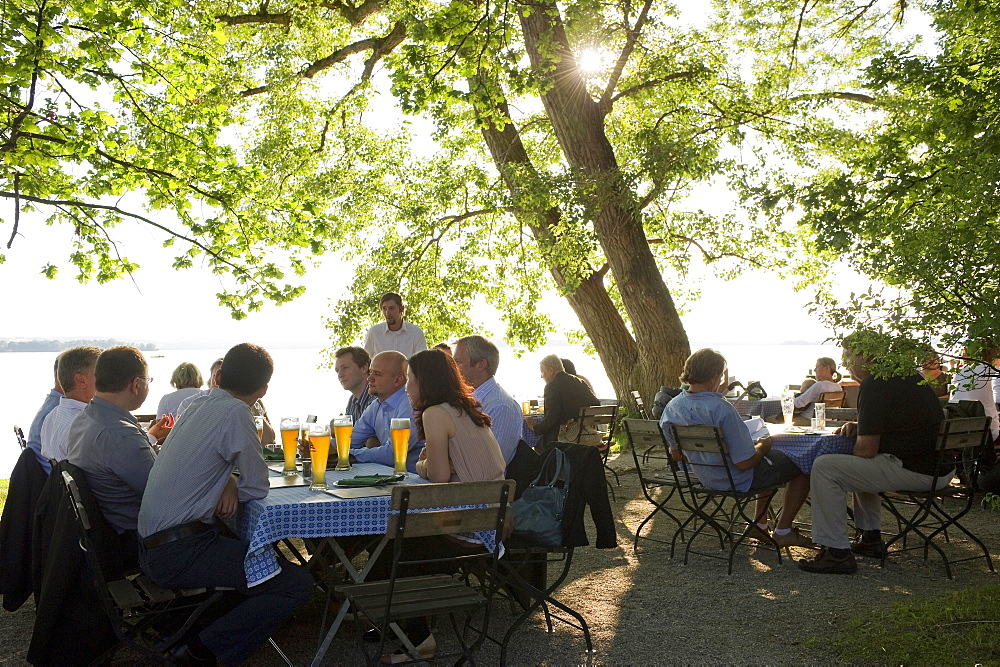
pixel 619 351
pixel 578 122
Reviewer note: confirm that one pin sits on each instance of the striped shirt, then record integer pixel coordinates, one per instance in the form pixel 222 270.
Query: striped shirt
pixel 214 436
pixel 505 413
pixel 55 428
pixel 356 405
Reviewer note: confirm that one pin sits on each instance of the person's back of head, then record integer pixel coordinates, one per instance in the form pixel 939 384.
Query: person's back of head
pixel 568 366
pixel 553 363
pixel 703 366
pixel 246 369
pixel 479 348
pixel 76 360
pixel 117 367
pixel 186 375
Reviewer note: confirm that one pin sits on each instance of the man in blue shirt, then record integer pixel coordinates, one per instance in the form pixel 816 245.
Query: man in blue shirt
pixel 371 441
pixel 352 366
pixel 478 359
pixel 752 465
pixel 34 440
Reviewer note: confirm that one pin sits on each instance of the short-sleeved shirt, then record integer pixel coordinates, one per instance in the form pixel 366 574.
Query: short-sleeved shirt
pixel 408 339
pixel 711 409
pixel 107 443
pixel 214 436
pixel 906 415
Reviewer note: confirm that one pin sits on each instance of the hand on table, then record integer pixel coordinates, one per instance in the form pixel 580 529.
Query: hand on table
pixel 228 501
pixel 848 430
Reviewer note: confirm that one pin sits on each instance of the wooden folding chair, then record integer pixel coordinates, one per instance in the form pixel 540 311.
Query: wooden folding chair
pixel 708 506
pixel 928 514
pixel 145 616
pixel 596 427
pixel 832 399
pixel 422 510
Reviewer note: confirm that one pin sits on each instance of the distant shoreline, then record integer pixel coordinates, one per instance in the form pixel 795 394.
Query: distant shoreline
pixel 58 345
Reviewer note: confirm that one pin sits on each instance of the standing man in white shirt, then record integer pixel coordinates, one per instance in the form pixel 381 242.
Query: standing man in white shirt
pixel 75 369
pixel 477 358
pixel 394 333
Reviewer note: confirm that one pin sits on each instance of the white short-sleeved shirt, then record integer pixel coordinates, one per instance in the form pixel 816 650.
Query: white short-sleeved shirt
pixel 55 428
pixel 408 340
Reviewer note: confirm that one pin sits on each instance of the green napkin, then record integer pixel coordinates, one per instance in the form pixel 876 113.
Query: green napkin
pixel 371 480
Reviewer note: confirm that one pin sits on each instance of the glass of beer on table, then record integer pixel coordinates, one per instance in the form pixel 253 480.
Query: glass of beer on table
pixel 259 423
pixel 788 407
pixel 319 452
pixel 400 431
pixel 289 443
pixel 343 427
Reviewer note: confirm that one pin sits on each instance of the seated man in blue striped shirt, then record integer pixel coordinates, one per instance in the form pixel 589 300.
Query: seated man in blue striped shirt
pixel 478 359
pixel 371 440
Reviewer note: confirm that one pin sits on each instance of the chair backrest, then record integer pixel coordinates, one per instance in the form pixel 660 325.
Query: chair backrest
pixel 19 434
pixel 640 406
pixel 450 508
pixel 706 440
pixel 850 395
pixel 964 433
pixel 832 399
pixel 645 435
pixel 595 416
pixel 842 414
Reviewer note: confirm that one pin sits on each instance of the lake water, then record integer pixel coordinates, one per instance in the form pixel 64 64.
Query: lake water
pixel 299 387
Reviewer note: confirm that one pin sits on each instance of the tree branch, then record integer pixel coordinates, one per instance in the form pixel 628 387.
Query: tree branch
pixel 379 46
pixel 114 209
pixel 354 15
pixel 630 41
pixel 836 95
pixel 261 17
pixel 17 208
pixel 631 90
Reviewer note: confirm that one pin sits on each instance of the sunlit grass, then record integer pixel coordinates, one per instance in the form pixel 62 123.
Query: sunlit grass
pixel 4 483
pixel 956 628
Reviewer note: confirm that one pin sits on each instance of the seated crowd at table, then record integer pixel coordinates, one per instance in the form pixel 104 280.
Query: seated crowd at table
pixel 167 491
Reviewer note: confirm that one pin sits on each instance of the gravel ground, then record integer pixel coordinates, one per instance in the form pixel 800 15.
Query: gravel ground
pixel 649 608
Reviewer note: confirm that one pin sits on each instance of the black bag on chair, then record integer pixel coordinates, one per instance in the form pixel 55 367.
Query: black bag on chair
pixel 538 513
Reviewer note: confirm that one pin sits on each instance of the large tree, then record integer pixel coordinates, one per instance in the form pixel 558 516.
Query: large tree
pixel 566 138
pixel 913 196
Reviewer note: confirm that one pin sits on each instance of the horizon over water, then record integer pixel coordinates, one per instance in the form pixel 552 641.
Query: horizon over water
pixel 299 388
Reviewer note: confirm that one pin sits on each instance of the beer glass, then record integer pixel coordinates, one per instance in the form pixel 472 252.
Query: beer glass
pixel 259 423
pixel 400 430
pixel 343 427
pixel 319 452
pixel 289 443
pixel 788 408
pixel 819 412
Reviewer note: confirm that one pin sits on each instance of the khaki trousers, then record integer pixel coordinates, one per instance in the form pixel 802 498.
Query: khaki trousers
pixel 836 475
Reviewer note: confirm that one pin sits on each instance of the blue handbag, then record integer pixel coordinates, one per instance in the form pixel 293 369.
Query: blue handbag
pixel 538 513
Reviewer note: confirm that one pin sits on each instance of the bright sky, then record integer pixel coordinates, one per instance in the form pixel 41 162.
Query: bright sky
pixel 164 305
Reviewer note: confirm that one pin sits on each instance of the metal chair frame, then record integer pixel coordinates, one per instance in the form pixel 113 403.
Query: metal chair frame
pixel 924 513
pixel 708 506
pixel 647 432
pixel 19 434
pixel 133 604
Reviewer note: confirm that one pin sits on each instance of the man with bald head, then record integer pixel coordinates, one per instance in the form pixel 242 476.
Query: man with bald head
pixel 371 441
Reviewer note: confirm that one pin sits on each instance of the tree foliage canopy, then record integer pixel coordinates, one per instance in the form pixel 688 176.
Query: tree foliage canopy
pixel 564 140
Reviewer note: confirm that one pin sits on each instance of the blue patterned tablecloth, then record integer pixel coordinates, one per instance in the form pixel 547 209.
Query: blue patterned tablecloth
pixel 298 512
pixel 766 407
pixel 804 448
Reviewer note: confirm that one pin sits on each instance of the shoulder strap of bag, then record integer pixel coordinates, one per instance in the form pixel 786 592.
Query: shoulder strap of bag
pixel 557 458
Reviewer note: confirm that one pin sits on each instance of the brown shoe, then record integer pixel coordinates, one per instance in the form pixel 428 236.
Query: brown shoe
pixel 827 563
pixel 759 534
pixel 870 549
pixel 794 539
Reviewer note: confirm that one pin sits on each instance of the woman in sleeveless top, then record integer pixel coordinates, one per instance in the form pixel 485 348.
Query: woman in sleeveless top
pixel 459 445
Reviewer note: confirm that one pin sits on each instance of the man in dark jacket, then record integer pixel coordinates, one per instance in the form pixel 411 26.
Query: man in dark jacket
pixel 565 395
